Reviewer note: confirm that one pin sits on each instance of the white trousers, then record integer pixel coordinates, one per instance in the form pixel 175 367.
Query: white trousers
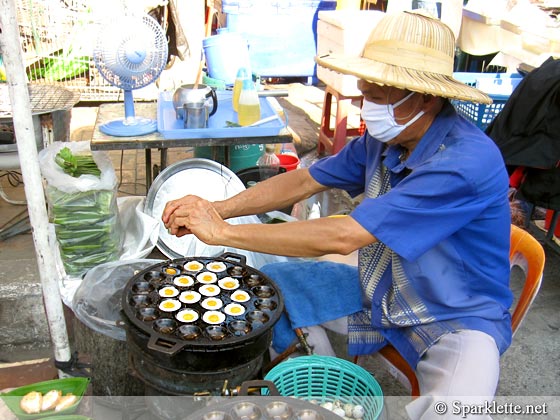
pixel 460 370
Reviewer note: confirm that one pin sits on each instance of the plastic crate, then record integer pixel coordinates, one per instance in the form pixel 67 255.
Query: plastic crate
pixel 326 379
pixel 498 86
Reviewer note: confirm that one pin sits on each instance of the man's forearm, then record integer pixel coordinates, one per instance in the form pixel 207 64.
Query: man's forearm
pixel 309 238
pixel 277 192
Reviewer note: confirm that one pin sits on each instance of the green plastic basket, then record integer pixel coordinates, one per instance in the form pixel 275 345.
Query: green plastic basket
pixel 76 386
pixel 325 378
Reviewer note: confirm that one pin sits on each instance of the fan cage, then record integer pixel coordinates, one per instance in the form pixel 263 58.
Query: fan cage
pixel 120 36
pixel 325 378
pixel 57 42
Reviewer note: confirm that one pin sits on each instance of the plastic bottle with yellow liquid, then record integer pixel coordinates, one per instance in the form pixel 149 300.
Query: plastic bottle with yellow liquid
pixel 242 75
pixel 249 110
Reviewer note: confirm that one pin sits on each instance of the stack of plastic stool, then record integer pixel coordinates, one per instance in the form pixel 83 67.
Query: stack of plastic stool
pixel 331 140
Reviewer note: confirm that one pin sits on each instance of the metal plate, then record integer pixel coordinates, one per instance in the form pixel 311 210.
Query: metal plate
pixel 203 177
pixel 43 99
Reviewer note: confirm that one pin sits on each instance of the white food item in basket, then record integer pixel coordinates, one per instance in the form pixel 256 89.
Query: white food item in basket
pixel 50 399
pixel 31 402
pixel 65 402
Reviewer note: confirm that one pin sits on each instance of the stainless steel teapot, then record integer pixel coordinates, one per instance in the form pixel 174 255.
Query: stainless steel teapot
pixel 190 96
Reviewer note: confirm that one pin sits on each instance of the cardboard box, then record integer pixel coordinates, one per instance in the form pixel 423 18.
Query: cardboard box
pixel 480 34
pixel 343 32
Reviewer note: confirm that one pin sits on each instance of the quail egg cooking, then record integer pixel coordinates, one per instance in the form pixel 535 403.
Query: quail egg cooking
pixel 187 315
pixel 234 309
pixel 228 283
pixel 207 277
pixel 240 296
pixel 183 281
pixel 216 266
pixel 209 290
pixel 213 317
pixel 169 305
pixel 189 296
pixel 171 271
pixel 193 266
pixel 211 303
pixel 168 292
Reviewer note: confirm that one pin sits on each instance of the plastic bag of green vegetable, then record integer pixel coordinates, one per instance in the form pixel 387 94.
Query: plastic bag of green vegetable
pixel 81 191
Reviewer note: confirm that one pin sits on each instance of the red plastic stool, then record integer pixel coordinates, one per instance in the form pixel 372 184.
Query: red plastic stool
pixel 332 140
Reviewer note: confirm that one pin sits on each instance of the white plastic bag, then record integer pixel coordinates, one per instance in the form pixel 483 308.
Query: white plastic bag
pixel 141 231
pixel 56 177
pixel 97 301
pixel 82 209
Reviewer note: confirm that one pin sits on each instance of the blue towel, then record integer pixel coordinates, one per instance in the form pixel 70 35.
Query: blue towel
pixel 314 292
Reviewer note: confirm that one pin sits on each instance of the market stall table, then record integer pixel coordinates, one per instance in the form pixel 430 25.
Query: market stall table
pixel 170 136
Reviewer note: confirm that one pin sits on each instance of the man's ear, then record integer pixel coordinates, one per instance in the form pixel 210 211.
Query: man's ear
pixel 431 101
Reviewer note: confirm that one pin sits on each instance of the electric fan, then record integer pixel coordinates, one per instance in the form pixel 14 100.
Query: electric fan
pixel 130 52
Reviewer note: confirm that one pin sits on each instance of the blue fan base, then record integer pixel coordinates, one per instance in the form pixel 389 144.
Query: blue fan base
pixel 120 128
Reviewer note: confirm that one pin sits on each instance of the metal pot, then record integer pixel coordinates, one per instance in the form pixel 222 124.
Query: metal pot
pixel 188 97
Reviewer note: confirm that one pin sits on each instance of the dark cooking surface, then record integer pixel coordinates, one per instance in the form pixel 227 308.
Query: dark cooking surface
pixel 141 300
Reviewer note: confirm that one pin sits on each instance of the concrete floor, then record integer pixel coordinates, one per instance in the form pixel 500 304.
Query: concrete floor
pixel 529 368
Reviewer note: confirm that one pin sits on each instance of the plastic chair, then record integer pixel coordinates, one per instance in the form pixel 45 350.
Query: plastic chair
pixel 525 252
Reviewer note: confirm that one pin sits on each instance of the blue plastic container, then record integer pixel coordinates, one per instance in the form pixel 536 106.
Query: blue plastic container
pixel 225 53
pixel 481 114
pixel 282 34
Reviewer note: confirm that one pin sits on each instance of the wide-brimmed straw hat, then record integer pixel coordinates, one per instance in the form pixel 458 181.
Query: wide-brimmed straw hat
pixel 410 51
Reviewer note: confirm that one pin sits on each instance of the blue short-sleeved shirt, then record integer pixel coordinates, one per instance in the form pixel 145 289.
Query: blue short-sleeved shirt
pixel 447 217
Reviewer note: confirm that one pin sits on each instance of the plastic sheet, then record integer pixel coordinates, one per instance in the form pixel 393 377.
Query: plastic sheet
pixel 97 301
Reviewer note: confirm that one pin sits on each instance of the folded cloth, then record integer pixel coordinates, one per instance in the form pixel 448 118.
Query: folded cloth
pixel 314 292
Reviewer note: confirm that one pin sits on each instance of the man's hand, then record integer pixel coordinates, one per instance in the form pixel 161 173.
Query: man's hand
pixel 192 214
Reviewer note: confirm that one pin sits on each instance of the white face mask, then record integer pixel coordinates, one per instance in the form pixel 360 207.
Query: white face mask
pixel 380 119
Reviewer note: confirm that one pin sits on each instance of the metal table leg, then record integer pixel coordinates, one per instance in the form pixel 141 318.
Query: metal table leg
pixel 148 169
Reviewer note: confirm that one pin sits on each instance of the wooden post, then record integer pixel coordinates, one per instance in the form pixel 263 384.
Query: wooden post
pixel 29 162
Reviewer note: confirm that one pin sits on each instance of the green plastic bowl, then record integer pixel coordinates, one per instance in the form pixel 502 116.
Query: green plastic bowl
pixel 76 386
pixel 326 378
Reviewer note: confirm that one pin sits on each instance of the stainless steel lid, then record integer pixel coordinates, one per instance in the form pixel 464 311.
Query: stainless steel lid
pixel 203 177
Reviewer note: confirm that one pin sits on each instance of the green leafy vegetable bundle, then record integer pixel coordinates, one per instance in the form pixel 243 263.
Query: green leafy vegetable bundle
pixel 82 209
pixel 85 225
pixel 76 164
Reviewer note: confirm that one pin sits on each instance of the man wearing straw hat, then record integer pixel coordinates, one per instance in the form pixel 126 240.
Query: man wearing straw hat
pixel 432 229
